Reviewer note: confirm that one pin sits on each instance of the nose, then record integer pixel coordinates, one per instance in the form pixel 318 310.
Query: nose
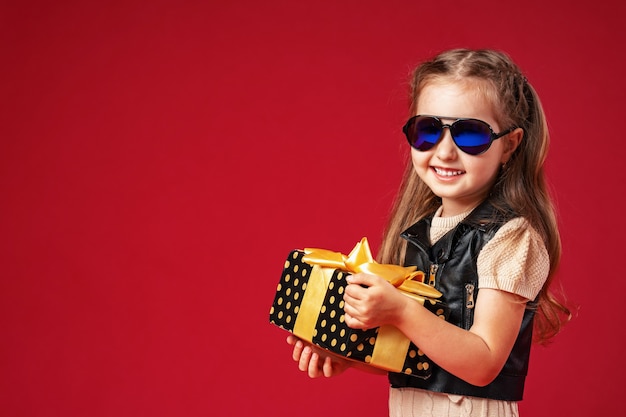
pixel 446 148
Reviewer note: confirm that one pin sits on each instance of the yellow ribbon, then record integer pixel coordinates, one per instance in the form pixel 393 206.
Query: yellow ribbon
pixel 391 344
pixel 312 301
pixel 406 278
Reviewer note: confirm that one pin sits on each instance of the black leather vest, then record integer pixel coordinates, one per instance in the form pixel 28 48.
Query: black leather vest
pixel 450 265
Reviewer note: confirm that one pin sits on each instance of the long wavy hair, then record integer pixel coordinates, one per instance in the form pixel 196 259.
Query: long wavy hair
pixel 521 184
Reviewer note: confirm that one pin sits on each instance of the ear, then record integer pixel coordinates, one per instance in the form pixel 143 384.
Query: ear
pixel 511 142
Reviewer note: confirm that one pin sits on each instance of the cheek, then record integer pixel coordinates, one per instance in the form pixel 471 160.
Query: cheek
pixel 485 169
pixel 419 159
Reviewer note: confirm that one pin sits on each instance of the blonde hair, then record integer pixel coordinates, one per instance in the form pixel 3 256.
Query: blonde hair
pixel 521 185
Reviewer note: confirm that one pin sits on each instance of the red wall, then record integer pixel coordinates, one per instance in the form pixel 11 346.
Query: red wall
pixel 159 159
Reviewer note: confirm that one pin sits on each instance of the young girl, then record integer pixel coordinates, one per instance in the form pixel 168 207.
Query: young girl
pixel 474 213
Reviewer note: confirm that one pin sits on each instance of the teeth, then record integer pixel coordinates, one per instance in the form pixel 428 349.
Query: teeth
pixel 447 173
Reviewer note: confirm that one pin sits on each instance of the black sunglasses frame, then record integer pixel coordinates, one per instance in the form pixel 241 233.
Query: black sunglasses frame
pixel 493 136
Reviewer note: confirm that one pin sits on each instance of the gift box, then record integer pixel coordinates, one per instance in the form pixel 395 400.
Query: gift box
pixel 309 303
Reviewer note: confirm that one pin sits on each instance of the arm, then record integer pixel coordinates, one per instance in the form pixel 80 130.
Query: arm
pixel 497 319
pixel 514 261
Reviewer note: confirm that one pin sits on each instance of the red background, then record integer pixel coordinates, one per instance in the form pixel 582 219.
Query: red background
pixel 159 159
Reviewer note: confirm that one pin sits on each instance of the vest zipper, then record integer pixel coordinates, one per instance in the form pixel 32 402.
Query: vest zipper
pixel 431 275
pixel 469 305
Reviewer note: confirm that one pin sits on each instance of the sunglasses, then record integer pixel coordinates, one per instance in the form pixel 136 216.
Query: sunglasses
pixel 472 136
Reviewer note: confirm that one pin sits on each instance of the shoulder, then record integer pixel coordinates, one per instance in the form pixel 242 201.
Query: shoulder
pixel 515 259
pixel 518 231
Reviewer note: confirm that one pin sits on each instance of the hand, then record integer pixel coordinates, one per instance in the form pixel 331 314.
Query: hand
pixel 316 361
pixel 371 301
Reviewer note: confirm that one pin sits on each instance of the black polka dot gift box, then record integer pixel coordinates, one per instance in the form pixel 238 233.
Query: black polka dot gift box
pixel 309 303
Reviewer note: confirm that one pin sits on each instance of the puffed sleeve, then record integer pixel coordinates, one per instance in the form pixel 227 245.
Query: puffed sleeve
pixel 514 260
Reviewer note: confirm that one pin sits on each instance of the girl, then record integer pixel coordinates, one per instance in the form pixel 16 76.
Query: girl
pixel 474 213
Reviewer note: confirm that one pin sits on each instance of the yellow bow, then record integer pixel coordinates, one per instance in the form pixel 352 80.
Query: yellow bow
pixel 406 278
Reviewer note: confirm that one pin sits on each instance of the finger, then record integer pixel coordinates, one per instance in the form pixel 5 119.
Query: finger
pixel 291 339
pixel 327 368
pixel 305 359
pixel 366 280
pixel 359 286
pixel 314 368
pixel 354 293
pixel 352 309
pixel 297 350
pixel 354 323
pixel 349 294
pixel 348 308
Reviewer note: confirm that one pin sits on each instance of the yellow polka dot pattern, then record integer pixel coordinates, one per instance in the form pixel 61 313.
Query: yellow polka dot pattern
pixel 289 291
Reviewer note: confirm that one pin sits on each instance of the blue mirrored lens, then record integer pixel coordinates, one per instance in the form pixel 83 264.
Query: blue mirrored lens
pixel 426 133
pixel 471 136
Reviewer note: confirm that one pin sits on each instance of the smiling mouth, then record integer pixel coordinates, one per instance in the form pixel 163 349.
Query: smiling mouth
pixel 447 172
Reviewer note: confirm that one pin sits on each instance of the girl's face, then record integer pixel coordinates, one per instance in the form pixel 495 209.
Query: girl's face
pixel 461 180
